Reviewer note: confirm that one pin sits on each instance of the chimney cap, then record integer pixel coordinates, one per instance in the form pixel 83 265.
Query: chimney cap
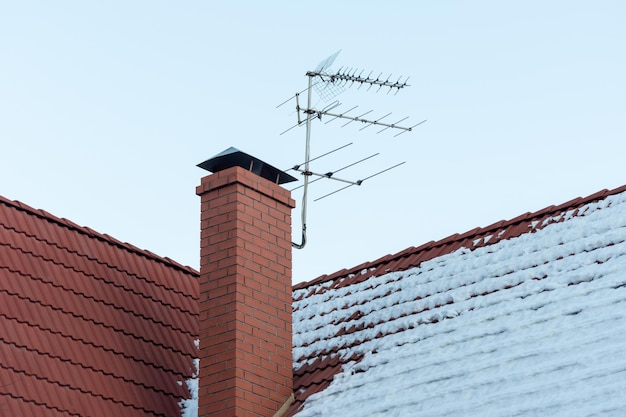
pixel 234 157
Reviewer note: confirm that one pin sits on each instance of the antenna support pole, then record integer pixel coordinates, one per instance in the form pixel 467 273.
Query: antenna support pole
pixel 307 173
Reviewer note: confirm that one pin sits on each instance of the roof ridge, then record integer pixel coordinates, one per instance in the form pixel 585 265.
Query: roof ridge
pixel 96 235
pixel 98 277
pixel 456 237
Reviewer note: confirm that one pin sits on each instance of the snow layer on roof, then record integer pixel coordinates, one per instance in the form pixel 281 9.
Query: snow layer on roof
pixel 189 406
pixel 534 325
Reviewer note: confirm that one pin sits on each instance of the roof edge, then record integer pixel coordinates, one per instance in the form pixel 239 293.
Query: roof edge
pixel 63 222
pixel 473 233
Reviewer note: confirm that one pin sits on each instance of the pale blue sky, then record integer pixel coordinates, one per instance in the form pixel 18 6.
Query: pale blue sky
pixel 106 108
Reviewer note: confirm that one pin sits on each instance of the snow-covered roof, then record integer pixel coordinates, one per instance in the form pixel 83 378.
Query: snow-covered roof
pixel 90 325
pixel 525 317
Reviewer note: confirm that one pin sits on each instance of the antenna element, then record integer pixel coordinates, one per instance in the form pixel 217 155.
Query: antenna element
pixel 328 84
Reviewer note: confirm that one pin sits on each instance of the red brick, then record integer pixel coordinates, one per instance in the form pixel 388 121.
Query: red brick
pixel 245 294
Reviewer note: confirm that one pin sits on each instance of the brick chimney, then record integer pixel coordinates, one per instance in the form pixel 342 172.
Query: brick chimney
pixel 245 288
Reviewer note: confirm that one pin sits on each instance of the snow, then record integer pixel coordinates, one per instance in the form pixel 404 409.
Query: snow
pixel 534 325
pixel 189 407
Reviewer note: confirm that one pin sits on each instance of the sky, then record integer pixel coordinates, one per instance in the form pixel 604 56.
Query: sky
pixel 106 108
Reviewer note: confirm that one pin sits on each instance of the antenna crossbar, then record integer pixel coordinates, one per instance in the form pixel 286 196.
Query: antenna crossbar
pixel 327 175
pixel 360 119
pixel 330 174
pixel 359 182
pixel 348 77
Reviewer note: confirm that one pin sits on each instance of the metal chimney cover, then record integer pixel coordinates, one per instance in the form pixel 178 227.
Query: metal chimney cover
pixel 234 157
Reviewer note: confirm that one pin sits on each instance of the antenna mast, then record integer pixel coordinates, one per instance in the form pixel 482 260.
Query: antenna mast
pixel 307 160
pixel 328 85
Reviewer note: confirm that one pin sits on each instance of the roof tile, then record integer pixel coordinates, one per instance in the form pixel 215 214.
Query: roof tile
pixel 96 326
pixel 363 317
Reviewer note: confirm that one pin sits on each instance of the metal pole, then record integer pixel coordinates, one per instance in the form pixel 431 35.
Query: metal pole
pixel 307 156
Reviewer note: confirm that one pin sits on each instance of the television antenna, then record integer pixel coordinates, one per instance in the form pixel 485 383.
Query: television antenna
pixel 329 84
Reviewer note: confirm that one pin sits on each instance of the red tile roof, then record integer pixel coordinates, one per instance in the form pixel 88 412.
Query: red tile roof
pixel 94 326
pixel 313 374
pixel 90 325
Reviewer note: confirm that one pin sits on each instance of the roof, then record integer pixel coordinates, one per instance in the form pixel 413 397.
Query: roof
pixel 523 317
pixel 90 325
